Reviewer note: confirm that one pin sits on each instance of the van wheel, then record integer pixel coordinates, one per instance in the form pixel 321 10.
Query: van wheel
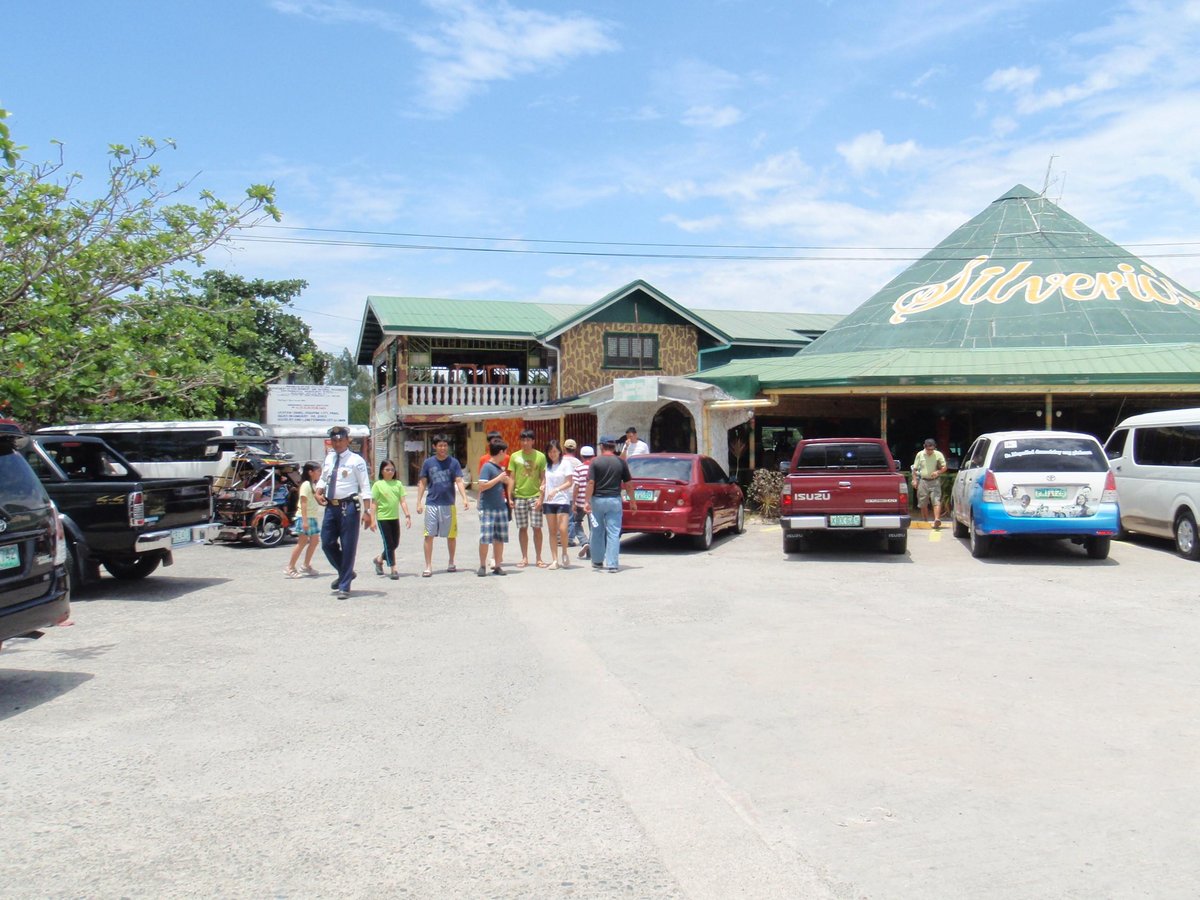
pixel 1097 547
pixel 1187 542
pixel 981 544
pixel 960 530
pixel 132 571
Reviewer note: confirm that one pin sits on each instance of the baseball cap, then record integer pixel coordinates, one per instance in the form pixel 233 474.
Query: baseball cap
pixel 587 451
pixel 569 444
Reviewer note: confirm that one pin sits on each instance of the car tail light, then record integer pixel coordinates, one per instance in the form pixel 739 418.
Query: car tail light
pixel 137 509
pixel 903 492
pixel 785 498
pixel 1110 489
pixel 991 490
pixel 60 538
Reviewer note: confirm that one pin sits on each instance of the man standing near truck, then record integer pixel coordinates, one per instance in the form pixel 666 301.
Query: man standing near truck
pixel 927 471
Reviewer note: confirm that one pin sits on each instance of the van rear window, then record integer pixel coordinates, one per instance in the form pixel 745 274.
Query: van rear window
pixel 1048 455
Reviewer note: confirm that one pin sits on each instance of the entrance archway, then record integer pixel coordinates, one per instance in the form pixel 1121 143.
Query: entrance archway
pixel 673 430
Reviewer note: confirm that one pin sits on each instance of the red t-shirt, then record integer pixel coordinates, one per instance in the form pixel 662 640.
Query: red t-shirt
pixel 501 461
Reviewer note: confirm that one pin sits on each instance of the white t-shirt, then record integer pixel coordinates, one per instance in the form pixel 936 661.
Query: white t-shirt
pixel 637 448
pixel 558 475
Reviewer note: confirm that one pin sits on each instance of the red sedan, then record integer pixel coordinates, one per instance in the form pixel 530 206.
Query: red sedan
pixel 682 493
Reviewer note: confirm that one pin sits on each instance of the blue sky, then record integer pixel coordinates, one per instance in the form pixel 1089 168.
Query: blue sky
pixel 843 126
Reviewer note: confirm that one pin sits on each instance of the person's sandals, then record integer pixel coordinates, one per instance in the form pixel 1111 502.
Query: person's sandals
pixel 378 566
pixel 541 565
pixel 481 571
pixel 428 573
pixel 498 571
pixel 451 568
pixel 566 560
pixel 522 564
pixel 310 571
pixel 395 576
pixel 291 573
pixel 553 565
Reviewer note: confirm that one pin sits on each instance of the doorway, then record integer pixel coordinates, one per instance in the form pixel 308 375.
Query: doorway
pixel 673 430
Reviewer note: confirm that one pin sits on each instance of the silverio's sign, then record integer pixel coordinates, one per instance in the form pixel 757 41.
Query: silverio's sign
pixel 999 284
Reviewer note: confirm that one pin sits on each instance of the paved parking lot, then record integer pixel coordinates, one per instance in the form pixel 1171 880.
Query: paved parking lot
pixel 711 725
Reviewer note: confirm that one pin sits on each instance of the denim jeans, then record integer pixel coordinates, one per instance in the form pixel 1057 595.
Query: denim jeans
pixel 339 540
pixel 606 533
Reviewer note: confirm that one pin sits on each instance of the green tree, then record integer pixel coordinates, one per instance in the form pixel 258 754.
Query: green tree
pixel 81 277
pixel 344 370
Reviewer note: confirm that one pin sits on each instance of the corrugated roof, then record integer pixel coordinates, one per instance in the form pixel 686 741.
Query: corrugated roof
pixel 449 316
pixel 1104 365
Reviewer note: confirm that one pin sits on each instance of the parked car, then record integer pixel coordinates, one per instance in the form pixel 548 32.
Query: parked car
pixel 682 493
pixel 1052 484
pixel 1155 458
pixel 114 517
pixel 844 485
pixel 35 588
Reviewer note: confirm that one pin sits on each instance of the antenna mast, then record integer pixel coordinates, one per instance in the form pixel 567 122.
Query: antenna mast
pixel 1046 180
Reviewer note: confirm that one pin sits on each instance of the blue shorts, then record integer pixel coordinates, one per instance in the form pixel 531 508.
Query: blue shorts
pixel 308 526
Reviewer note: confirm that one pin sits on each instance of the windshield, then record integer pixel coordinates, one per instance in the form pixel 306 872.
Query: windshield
pixel 842 456
pixel 660 468
pixel 21 486
pixel 1048 455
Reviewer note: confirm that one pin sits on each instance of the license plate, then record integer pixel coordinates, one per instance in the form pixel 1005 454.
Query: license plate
pixel 643 494
pixel 181 536
pixel 845 521
pixel 10 557
pixel 1050 493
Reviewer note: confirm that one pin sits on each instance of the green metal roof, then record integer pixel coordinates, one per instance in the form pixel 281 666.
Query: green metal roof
pixel 1022 273
pixel 1123 364
pixel 586 312
pixel 508 318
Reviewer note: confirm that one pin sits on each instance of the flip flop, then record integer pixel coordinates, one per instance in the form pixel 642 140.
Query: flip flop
pixel 428 573
pixel 522 564
pixel 541 565
pixel 451 568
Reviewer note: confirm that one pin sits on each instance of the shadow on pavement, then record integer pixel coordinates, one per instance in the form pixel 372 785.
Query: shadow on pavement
pixel 158 587
pixel 23 689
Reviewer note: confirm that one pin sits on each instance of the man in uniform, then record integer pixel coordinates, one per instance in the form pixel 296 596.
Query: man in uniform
pixel 345 489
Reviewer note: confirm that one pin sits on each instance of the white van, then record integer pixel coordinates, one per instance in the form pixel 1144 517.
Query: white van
pixel 1156 459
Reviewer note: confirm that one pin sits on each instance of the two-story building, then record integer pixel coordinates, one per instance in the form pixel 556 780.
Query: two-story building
pixel 467 367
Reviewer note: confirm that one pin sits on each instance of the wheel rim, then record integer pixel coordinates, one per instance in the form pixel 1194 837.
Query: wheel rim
pixel 1185 535
pixel 741 518
pixel 269 530
pixel 708 526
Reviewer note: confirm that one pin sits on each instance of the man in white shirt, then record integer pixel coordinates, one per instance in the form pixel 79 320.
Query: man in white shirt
pixel 632 446
pixel 344 488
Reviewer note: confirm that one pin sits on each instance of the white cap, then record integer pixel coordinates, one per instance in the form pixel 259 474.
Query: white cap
pixel 586 450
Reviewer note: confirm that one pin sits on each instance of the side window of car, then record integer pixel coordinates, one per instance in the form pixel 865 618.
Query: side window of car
pixel 711 471
pixel 970 461
pixel 979 457
pixel 1114 448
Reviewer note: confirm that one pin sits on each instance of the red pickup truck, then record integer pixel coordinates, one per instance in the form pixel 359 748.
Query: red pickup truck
pixel 844 485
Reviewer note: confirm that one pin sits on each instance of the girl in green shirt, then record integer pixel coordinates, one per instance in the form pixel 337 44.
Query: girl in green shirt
pixel 388 493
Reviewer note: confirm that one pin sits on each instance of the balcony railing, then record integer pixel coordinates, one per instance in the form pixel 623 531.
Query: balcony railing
pixel 480 396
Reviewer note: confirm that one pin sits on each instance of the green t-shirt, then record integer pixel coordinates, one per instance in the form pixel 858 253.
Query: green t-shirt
pixel 387 496
pixel 925 464
pixel 527 472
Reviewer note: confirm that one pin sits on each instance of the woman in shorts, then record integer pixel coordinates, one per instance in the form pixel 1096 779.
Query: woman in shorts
pixel 556 503
pixel 308 529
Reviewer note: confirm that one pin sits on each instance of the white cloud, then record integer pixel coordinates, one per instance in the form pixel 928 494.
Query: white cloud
pixel 1014 78
pixel 338 12
pixel 712 116
pixel 870 151
pixel 782 170
pixel 694 226
pixel 477 44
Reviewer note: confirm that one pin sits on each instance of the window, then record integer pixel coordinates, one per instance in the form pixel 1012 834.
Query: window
pixel 630 351
pixel 712 471
pixel 1167 445
pixel 1049 455
pixel 842 456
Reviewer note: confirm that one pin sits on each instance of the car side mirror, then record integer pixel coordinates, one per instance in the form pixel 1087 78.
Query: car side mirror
pixel 785 465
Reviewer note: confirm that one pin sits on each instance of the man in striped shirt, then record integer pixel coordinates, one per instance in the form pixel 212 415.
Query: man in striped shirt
pixel 579 498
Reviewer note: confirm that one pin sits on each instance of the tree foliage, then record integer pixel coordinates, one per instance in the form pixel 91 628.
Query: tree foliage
pixel 96 321
pixel 345 370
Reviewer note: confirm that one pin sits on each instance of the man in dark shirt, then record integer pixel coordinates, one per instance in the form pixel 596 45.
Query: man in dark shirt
pixel 607 476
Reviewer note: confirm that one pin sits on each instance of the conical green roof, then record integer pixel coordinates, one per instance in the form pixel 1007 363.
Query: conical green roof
pixel 1021 274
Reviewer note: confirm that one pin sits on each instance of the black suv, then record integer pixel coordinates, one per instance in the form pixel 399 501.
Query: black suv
pixel 34 587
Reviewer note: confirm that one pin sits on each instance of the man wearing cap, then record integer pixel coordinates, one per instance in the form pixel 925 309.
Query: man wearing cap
pixel 345 489
pixel 927 471
pixel 579 479
pixel 608 476
pixel 570 448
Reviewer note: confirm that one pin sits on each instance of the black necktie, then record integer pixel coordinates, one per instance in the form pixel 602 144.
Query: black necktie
pixel 333 477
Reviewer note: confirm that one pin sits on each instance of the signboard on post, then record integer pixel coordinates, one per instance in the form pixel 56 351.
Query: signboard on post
pixel 643 389
pixel 317 405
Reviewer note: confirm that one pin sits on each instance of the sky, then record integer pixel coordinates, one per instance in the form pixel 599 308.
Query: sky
pixel 733 153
